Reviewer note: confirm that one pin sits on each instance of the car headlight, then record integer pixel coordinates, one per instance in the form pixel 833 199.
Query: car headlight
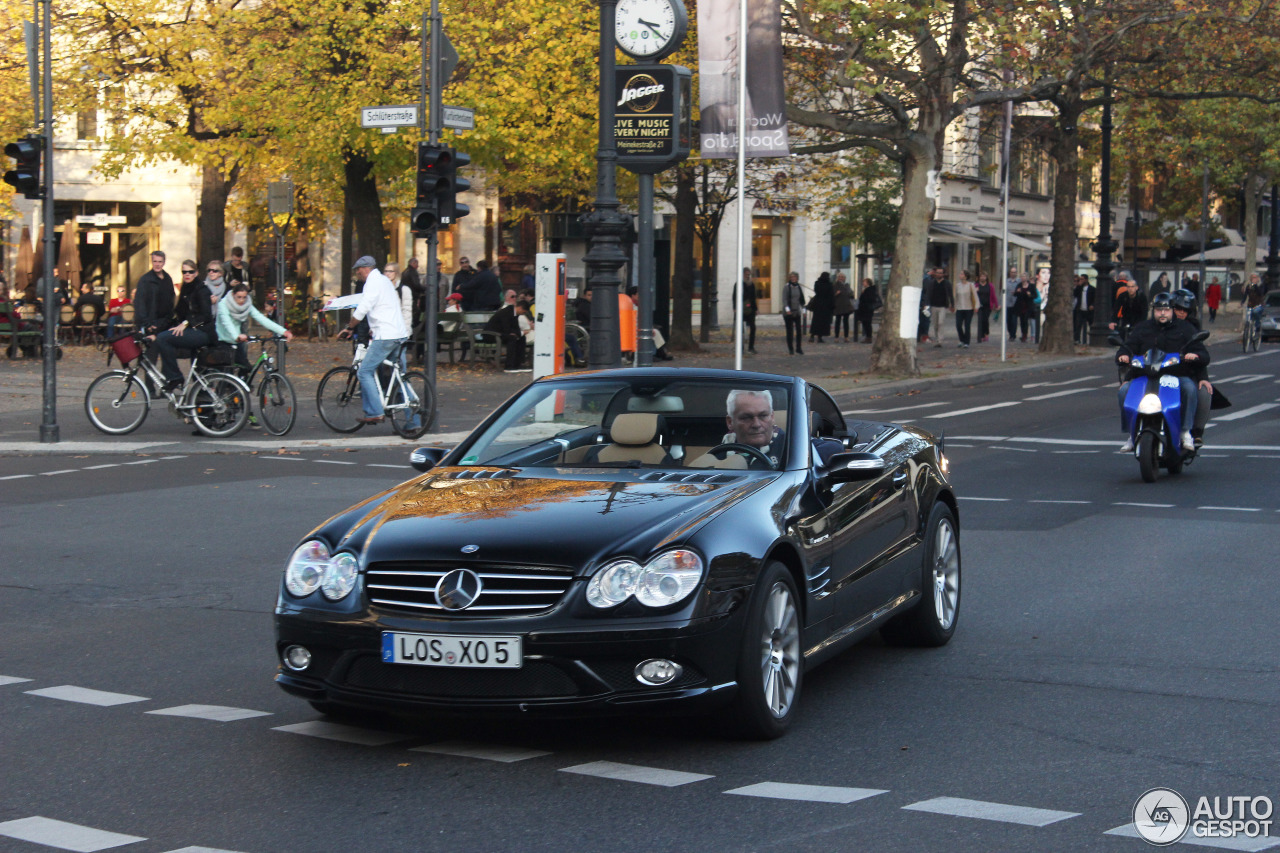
pixel 666 579
pixel 311 568
pixel 340 576
pixel 306 568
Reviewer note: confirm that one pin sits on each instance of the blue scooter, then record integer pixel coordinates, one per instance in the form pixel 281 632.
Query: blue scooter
pixel 1152 410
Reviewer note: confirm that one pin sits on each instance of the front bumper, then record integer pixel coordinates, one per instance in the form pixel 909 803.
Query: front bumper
pixel 567 672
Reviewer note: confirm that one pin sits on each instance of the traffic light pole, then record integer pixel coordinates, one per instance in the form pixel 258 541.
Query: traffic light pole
pixel 49 416
pixel 430 291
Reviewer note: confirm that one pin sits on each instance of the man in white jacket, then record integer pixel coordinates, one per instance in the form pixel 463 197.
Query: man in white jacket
pixel 381 305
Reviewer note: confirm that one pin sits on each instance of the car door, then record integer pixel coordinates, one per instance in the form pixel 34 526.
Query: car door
pixel 870 521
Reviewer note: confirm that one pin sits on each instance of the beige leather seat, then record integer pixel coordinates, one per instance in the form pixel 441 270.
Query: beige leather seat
pixel 635 436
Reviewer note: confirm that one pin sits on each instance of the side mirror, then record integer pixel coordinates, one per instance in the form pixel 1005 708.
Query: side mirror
pixel 853 466
pixel 425 458
pixel 1200 336
pixel 1115 340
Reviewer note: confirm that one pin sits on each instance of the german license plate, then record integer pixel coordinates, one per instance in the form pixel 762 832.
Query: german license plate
pixel 470 651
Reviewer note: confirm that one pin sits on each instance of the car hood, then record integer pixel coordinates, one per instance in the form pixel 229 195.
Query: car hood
pixel 565 519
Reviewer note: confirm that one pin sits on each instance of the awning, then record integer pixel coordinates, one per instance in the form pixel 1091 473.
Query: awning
pixel 953 232
pixel 1015 239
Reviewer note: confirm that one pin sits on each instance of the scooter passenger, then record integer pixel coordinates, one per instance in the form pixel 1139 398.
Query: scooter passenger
pixel 1164 332
pixel 1184 308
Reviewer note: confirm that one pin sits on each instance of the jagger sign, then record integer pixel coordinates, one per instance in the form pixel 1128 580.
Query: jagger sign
pixel 652 118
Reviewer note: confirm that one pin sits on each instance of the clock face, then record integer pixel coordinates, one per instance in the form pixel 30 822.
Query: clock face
pixel 647 28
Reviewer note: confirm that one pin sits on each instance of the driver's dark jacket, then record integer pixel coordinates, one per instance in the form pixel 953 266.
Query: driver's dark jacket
pixel 1169 338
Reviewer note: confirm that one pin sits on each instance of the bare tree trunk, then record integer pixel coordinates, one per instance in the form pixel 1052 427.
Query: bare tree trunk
pixel 686 204
pixel 1253 184
pixel 215 187
pixel 1056 337
pixel 894 353
pixel 361 191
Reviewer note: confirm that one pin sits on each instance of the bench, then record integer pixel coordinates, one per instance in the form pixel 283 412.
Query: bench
pixel 19 328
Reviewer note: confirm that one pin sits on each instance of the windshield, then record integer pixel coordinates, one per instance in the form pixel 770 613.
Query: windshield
pixel 641 423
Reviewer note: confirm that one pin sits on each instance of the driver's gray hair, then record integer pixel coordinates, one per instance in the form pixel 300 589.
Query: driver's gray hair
pixel 732 402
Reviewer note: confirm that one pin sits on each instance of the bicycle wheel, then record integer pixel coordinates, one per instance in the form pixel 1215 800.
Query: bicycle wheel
pixel 1255 338
pixel 1244 338
pixel 338 400
pixel 277 403
pixel 222 408
pixel 116 402
pixel 411 418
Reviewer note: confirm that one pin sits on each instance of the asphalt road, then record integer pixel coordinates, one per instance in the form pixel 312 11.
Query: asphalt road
pixel 1114 636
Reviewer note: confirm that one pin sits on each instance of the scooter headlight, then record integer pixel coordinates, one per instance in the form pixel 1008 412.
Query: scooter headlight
pixel 1150 405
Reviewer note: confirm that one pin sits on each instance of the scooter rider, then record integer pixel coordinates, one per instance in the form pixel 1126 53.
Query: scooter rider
pixel 1168 334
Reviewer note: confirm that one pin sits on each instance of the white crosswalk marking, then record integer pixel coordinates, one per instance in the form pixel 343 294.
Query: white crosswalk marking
pixel 1247 844
pixel 86 695
pixel 975 410
pixel 217 713
pixel 1066 393
pixel 1244 413
pixel 1243 378
pixel 806 793
pixel 1002 812
pixel 65 836
pixel 635 773
pixel 483 751
pixel 891 411
pixel 344 734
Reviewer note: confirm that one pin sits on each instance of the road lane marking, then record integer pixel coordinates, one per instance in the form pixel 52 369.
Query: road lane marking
pixel 993 500
pixel 958 807
pixel 1266 842
pixel 284 458
pixel 1060 502
pixel 202 850
pixel 333 462
pixel 1243 357
pixel 1243 378
pixel 1062 393
pixel 1066 382
pixel 65 836
pixel 806 793
pixel 16 476
pixel 1244 413
pixel 86 695
pixel 975 410
pixel 636 773
pixel 100 467
pixel 1231 508
pixel 344 734
pixel 1019 450
pixel 1149 506
pixel 55 473
pixel 891 411
pixel 483 751
pixel 141 462
pixel 384 465
pixel 12 679
pixel 216 713
pixel 1077 451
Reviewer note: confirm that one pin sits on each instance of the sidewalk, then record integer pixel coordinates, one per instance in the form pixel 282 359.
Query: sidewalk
pixel 467 391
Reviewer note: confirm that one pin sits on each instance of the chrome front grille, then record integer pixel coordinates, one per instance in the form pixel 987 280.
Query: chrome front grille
pixel 505 590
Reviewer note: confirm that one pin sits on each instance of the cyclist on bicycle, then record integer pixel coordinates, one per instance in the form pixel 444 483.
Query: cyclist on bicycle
pixel 196 322
pixel 1253 298
pixel 381 305
pixel 234 314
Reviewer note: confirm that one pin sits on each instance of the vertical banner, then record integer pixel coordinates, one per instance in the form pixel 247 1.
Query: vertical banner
pixel 766 130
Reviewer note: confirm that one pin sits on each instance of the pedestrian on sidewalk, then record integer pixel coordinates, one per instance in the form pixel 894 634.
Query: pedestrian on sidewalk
pixel 1213 298
pixel 869 302
pixel 793 313
pixel 844 303
pixel 987 303
pixel 1023 305
pixel 941 300
pixel 749 308
pixel 966 302
pixel 1082 307
pixel 822 306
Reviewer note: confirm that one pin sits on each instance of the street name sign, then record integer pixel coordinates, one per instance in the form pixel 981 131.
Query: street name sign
pixel 458 118
pixel 401 115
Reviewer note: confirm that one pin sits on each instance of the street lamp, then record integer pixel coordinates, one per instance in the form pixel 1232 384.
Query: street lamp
pixel 1105 247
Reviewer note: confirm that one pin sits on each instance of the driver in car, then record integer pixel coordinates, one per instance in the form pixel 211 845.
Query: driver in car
pixel 750 422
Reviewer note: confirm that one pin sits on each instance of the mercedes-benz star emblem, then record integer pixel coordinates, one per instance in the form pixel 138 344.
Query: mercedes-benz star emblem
pixel 458 590
pixel 470 549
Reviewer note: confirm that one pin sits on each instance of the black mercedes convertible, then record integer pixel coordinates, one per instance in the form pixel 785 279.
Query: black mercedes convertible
pixel 641 541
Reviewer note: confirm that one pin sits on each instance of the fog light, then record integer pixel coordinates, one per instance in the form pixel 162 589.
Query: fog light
pixel 297 658
pixel 657 672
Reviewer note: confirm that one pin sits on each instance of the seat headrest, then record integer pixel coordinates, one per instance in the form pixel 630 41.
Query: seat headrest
pixel 636 428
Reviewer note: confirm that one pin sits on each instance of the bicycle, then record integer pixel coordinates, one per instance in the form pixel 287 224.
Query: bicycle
pixel 319 326
pixel 1251 335
pixel 118 401
pixel 277 401
pixel 407 398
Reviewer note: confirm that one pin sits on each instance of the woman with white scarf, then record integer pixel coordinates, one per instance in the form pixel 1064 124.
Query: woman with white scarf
pixel 234 313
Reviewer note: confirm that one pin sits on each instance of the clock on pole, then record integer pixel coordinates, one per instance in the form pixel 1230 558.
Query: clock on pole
pixel 650 29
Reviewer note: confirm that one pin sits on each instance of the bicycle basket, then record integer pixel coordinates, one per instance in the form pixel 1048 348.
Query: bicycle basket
pixel 216 356
pixel 125 348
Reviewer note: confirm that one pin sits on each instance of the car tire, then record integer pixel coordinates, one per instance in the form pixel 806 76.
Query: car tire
pixel 932 621
pixel 771 664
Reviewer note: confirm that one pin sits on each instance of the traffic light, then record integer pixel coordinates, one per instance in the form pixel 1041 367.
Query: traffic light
pixel 456 210
pixel 432 185
pixel 25 176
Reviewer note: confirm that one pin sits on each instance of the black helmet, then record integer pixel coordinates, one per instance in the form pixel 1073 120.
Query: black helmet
pixel 1161 300
pixel 1184 299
